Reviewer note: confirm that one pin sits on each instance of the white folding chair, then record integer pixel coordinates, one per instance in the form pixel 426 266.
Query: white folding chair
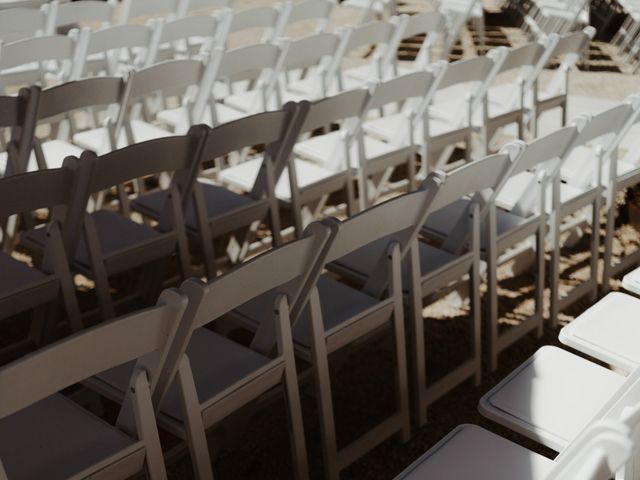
pixel 309 15
pixel 556 17
pixel 208 376
pixel 199 7
pixel 183 37
pixel 458 12
pixel 555 94
pixel 112 50
pixel 304 187
pixel 522 214
pixel 45 434
pixel 375 40
pixel 578 201
pixel 261 20
pixel 506 97
pixel 43 60
pixel 309 67
pixel 21 23
pixel 432 26
pixel 98 14
pixel 134 10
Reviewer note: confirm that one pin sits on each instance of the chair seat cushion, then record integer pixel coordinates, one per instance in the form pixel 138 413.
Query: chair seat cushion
pixel 608 330
pixel 551 397
pixel 97 140
pixel 114 231
pixel 15 274
pixel 338 303
pixel 217 364
pixel 218 200
pixel 56 439
pixel 486 455
pixel 327 150
pixel 55 151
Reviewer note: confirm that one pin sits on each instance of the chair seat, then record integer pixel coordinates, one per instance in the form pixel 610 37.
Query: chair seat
pixel 486 455
pixel 551 397
pixel 608 331
pixel 225 113
pixel 441 223
pixel 338 303
pixel 97 139
pixel 358 264
pixel 145 131
pixel 248 101
pixel 327 150
pixel 178 119
pixel 243 176
pixel 14 273
pixel 218 200
pixel 55 151
pixel 631 281
pixel 57 439
pixel 217 364
pixel 390 128
pixel 115 232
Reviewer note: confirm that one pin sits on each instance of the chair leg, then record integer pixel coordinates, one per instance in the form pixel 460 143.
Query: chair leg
pixel 493 316
pixel 608 249
pixel 323 391
pixel 418 350
pixel 554 281
pixel 476 319
pixel 539 307
pixel 104 296
pixel 296 434
pixel 595 247
pixel 38 327
pixel 402 384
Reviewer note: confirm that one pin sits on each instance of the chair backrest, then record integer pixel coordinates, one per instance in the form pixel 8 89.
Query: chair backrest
pixel 316 10
pixel 311 51
pixel 169 154
pixel 525 56
pixel 430 24
pixel 111 42
pixel 188 7
pixel 79 94
pixel 20 23
pixel 184 28
pixel 53 368
pixel 264 18
pixel 132 9
pixel 412 85
pixel 378 34
pixel 597 454
pixel 248 63
pixel 73 13
pixel 603 129
pixel 480 181
pixel 475 69
pixel 41 49
pixel 544 156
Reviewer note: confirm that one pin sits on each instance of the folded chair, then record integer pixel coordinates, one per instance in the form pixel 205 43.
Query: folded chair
pixel 71 14
pixel 309 67
pixel 338 315
pixel 21 23
pixel 29 61
pixel 210 376
pixel 25 288
pixel 567 49
pixel 108 242
pixel 112 50
pixel 597 454
pixel 44 434
pixel 215 211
